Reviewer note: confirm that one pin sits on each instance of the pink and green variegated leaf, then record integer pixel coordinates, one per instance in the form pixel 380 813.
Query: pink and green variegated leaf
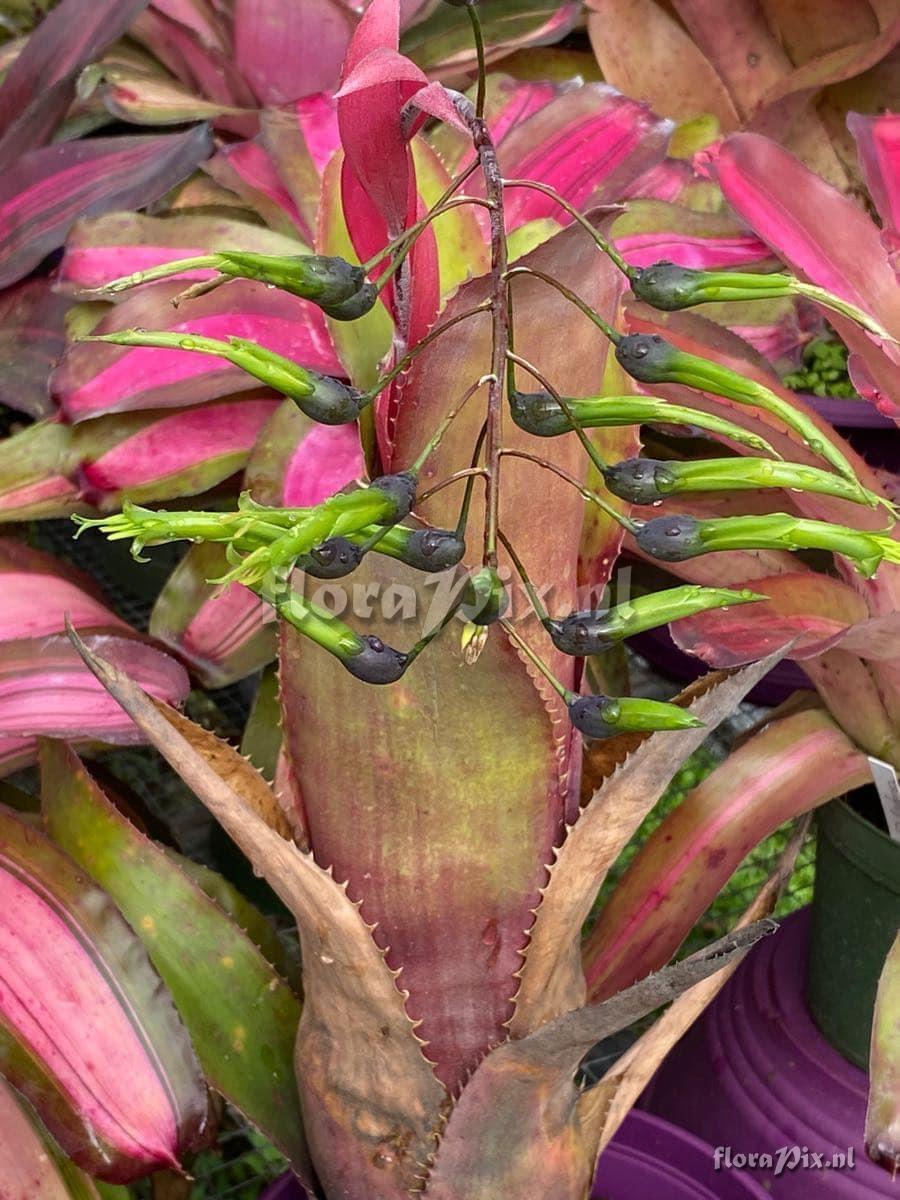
pixel 443 43
pixel 32 1165
pixel 46 689
pixel 193 44
pixel 88 1031
pixel 883 1113
pixel 38 597
pixel 247 169
pixel 241 1017
pixel 160 457
pixel 811 612
pixel 36 479
pixel 46 190
pixel 40 84
pixel 790 767
pixel 32 339
pixel 663 65
pixel 651 230
pixel 450 921
pixel 286 50
pixel 99 378
pixel 508 102
pixel 878 144
pixel 143 98
pixel 222 633
pixel 590 144
pixel 840 250
pixel 118 244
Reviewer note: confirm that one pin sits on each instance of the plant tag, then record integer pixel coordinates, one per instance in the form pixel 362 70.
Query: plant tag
pixel 888 788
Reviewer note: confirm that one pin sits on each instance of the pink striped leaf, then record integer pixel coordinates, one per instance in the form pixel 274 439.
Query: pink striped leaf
pixel 590 144
pixel 248 169
pixel 792 766
pixel 651 230
pixel 98 378
pixel 46 190
pixel 121 243
pixel 878 145
pixel 145 457
pixel 32 339
pixel 38 597
pixel 46 689
pixel 31 1164
pixel 242 1018
pixel 36 473
pixel 88 1031
pixel 826 238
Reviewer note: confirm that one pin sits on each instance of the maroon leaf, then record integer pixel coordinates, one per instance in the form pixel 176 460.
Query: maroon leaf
pixel 878 144
pixel 88 1031
pixel 32 339
pixel 48 189
pixel 40 84
pixel 287 50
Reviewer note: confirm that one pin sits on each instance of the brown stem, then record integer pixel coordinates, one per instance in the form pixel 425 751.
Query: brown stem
pixel 493 183
pixel 467 473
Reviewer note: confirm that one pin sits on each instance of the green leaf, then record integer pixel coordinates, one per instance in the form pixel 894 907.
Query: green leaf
pixel 242 1017
pixel 88 1033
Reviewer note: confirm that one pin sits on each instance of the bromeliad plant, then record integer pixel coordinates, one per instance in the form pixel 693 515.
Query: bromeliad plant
pixel 427 834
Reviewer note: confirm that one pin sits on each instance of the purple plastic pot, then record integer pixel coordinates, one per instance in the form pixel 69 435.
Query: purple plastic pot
pixel 756 1075
pixel 648 1159
pixel 657 647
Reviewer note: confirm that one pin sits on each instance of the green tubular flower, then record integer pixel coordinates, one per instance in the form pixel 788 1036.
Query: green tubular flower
pixel 646 480
pixel 539 414
pixel 651 359
pixel 669 287
pixel 322 398
pixel 338 287
pixel 585 633
pixel 429 550
pixel 607 716
pixel 366 657
pixel 677 538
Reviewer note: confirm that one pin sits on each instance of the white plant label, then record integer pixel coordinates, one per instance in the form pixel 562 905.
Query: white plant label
pixel 888 788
